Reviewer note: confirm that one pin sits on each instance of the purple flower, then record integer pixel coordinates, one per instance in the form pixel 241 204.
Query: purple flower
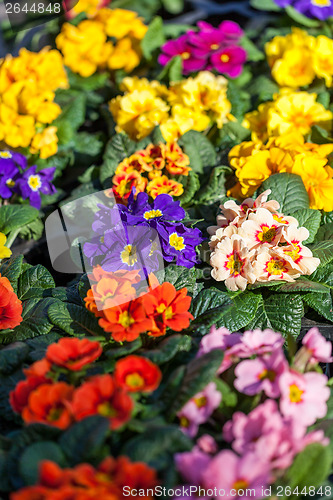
pixel 181 47
pixel 31 183
pixel 320 9
pixel 8 172
pixel 229 61
pixel 179 242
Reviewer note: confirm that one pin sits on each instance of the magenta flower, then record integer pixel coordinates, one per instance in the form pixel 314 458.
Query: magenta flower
pixel 207 41
pixel 229 61
pixel 303 396
pixel 226 471
pixel 207 444
pixel 261 374
pixel 191 464
pixel 181 47
pixel 319 348
pixel 230 343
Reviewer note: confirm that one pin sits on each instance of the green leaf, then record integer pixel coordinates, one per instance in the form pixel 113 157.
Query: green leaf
pixel 12 356
pixel 168 348
pixel 310 219
pixel 208 299
pixel 325 232
pixel 87 143
pixel 281 313
pixel 114 351
pixel 264 88
pixel 240 100
pixel 288 190
pixel 199 372
pixel 11 269
pixel 13 217
pixel 191 185
pixel 233 133
pixel 173 71
pixel 33 282
pixel 324 251
pixel 253 53
pixel 303 285
pixel 240 312
pixel 89 83
pixel 322 304
pixel 173 6
pixel 74 319
pixel 300 18
pixel 180 277
pixel 175 30
pixel 83 442
pixel 154 38
pixel 65 132
pixel 310 467
pixel 32 456
pixel 33 230
pixel 216 189
pixel 265 5
pixel 199 149
pixel 73 105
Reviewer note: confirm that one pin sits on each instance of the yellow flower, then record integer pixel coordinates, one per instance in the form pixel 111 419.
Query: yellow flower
pixel 90 7
pixel 162 184
pixel 120 23
pixel 323 59
pixel 138 113
pixel 257 120
pixel 85 47
pixel 318 181
pixel 4 251
pixel 126 55
pixel 45 142
pixel 297 111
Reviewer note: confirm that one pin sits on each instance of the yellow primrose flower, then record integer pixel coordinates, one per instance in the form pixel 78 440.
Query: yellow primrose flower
pixel 297 111
pixel 257 120
pixel 182 120
pixel 4 251
pixel 120 23
pixel 45 143
pixel 125 55
pixel 323 59
pixel 85 47
pixel 138 113
pixel 295 69
pixel 90 7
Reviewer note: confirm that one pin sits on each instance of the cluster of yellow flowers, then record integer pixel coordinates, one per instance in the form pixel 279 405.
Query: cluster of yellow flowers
pixel 149 170
pixel 27 90
pixel 89 7
pixel 296 59
pixel 254 162
pixel 87 47
pixel 191 104
pixel 289 111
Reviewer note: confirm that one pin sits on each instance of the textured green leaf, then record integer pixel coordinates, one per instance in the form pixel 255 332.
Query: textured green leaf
pixel 325 232
pixel 13 217
pixel 310 467
pixel 87 143
pixel 89 83
pixel 74 319
pixel 191 185
pixel 208 299
pixel 321 303
pixel 253 53
pixel 199 149
pixel 303 285
pixel 311 220
pixel 73 105
pixel 264 88
pixel 288 190
pixel 32 456
pixel 324 251
pixel 281 313
pixel 241 311
pixel 168 348
pixel 114 351
pixel 180 277
pixel 173 71
pixel 33 282
pixel 216 189
pixel 11 269
pixel 154 38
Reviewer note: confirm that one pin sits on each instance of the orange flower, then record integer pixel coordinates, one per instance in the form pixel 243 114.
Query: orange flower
pixel 163 184
pixel 137 374
pixel 126 321
pixel 100 395
pixel 10 306
pixel 167 308
pixel 124 182
pixel 155 156
pixel 112 288
pixel 137 162
pixel 20 395
pixel 177 162
pixel 38 369
pixel 73 353
pixel 49 404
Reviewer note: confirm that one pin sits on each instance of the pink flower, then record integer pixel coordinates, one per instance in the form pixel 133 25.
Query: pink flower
pixel 199 409
pixel 226 471
pixel 261 341
pixel 261 374
pixel 181 47
pixel 318 346
pixel 215 339
pixel 207 444
pixel 303 396
pixel 230 343
pixel 191 464
pixel 229 61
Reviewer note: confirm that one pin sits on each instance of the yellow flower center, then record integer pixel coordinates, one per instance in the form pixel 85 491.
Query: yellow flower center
pixel 267 234
pixel 5 154
pixel 240 484
pixel 10 183
pixel 106 410
pixel 321 3
pixel 225 58
pixel 54 414
pixel 201 401
pixel 214 46
pixel 128 255
pixel 234 264
pixel 176 241
pixel 125 319
pixel 275 267
pixel 186 55
pixel 151 214
pixel 295 394
pixel 161 308
pixel 184 422
pixel 295 253
pixel 267 374
pixel 134 380
pixel 34 182
pixel 279 218
pixel 301 120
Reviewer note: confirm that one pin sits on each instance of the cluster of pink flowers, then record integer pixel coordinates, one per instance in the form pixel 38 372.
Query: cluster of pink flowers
pixel 208 49
pixel 253 242
pixel 265 441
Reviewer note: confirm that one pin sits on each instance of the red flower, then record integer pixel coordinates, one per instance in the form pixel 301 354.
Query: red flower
pixel 100 395
pixel 49 404
pixel 10 306
pixel 137 374
pixel 126 321
pixel 38 369
pixel 73 353
pixel 20 395
pixel 167 308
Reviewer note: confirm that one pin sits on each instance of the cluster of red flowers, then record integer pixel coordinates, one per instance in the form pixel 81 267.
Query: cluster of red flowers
pixel 10 305
pixel 152 312
pixel 149 170
pixel 84 482
pixel 41 397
